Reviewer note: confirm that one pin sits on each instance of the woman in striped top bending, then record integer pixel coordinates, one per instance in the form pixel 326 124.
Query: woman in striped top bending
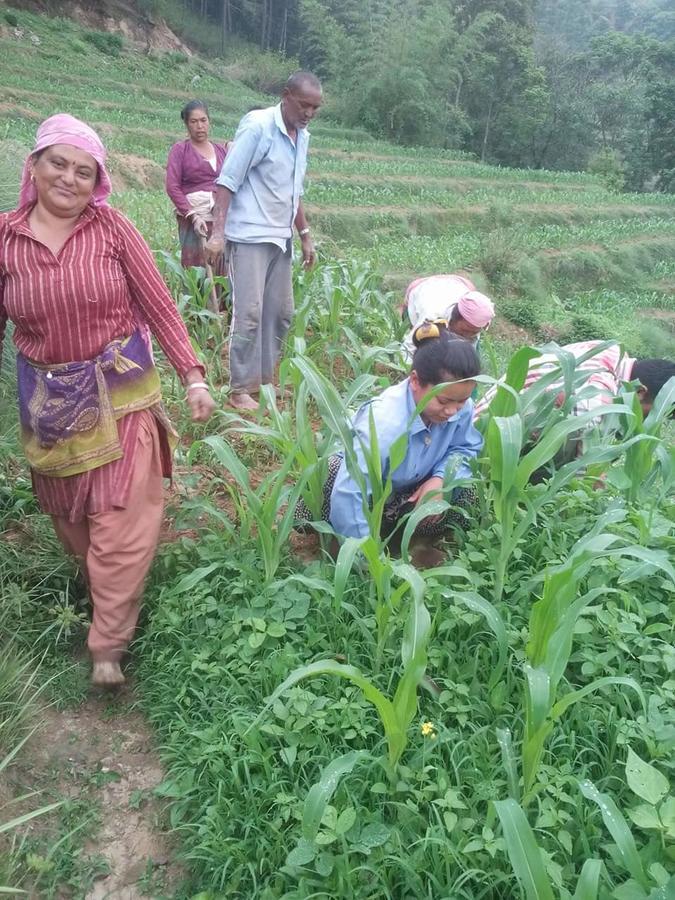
pixel 83 291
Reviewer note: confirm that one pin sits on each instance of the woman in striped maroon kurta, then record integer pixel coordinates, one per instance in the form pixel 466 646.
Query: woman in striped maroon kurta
pixel 74 276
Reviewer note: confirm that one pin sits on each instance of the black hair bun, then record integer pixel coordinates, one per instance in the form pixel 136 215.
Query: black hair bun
pixel 429 330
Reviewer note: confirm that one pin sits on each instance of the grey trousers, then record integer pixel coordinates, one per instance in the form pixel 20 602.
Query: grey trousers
pixel 262 309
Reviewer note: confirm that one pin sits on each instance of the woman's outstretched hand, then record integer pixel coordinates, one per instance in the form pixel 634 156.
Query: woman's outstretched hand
pixel 433 486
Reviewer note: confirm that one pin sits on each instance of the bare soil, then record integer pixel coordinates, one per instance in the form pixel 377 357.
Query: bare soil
pixel 506 331
pixel 129 168
pixel 103 750
pixel 118 17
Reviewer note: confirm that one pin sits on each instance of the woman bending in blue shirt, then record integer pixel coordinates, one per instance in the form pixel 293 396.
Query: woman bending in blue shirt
pixel 442 430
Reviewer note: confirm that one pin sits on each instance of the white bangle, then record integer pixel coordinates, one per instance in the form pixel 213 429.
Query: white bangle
pixel 303 231
pixel 197 384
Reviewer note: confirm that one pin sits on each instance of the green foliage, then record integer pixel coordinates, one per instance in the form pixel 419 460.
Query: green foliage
pixel 522 312
pixel 105 42
pixel 396 715
pixel 266 511
pixel 586 327
pixel 609 166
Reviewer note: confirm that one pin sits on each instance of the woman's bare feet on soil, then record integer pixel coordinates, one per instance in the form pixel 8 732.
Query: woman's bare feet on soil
pixel 242 401
pixel 107 674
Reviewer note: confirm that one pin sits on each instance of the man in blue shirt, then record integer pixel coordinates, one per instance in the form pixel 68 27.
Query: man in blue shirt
pixel 258 201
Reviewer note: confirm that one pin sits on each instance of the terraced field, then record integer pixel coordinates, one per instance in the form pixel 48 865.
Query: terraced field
pixel 553 244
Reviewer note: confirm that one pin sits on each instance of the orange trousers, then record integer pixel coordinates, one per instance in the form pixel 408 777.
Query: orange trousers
pixel 116 549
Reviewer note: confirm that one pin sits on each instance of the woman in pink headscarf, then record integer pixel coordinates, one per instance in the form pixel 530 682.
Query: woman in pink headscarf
pixel 82 289
pixel 452 298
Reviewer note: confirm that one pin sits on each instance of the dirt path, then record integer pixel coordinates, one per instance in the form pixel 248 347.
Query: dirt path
pixel 103 750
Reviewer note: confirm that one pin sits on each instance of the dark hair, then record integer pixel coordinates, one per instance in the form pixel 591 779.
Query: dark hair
pixel 437 357
pixel 191 107
pixel 455 314
pixel 652 374
pixel 301 79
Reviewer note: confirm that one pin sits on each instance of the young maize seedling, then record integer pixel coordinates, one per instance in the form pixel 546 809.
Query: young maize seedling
pixel 551 632
pixel 266 512
pixel 527 859
pixel 396 713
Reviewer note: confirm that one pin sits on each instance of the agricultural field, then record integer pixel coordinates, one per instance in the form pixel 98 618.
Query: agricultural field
pixel 499 727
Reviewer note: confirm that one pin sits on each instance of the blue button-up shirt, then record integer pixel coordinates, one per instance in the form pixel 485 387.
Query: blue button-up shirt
pixel 430 447
pixel 265 171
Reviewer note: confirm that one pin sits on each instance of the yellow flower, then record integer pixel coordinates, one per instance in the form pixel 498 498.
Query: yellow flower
pixel 428 729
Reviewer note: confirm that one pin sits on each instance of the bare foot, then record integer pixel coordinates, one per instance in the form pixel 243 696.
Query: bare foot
pixel 242 401
pixel 107 674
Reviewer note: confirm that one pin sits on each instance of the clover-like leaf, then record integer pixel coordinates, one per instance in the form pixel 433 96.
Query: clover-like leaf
pixel 644 780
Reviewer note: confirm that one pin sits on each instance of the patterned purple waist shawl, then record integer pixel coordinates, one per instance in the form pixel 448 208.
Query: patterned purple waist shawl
pixel 69 412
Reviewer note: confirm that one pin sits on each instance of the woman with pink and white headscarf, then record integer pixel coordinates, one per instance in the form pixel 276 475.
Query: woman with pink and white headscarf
pixel 82 288
pixel 453 298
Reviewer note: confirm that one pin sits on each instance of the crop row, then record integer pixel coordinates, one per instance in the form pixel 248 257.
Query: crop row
pixel 427 254
pixel 323 189
pixel 460 169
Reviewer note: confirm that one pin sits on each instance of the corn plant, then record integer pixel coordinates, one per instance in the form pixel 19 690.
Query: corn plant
pixel 290 434
pixel 362 358
pixel 375 488
pixel 654 883
pixel 527 859
pixel 193 292
pixel 389 582
pixel 649 460
pixel 551 632
pixel 266 513
pixel 339 292
pixel 396 713
pixel 512 460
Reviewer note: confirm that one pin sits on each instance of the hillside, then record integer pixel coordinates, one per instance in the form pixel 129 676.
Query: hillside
pixel 564 256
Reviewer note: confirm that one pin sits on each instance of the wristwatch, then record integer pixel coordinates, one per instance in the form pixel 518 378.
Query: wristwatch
pixel 303 231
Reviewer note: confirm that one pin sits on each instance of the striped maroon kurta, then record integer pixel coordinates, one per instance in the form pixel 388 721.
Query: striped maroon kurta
pixel 101 285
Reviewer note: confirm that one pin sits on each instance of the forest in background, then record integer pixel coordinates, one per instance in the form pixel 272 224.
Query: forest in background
pixel 555 84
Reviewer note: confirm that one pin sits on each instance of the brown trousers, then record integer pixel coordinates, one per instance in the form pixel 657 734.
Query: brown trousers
pixel 116 549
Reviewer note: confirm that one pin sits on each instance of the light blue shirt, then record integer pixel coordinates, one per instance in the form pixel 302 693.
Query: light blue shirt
pixel 430 448
pixel 265 171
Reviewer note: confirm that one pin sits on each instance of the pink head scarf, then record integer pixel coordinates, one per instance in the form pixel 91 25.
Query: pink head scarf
pixel 476 308
pixel 65 129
